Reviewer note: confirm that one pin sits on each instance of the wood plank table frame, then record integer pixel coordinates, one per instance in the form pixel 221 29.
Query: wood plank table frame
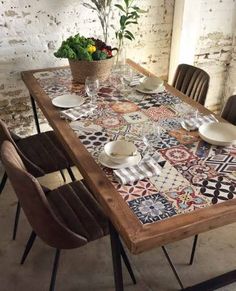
pixel 137 237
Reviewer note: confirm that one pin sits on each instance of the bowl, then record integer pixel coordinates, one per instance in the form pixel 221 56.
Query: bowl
pixel 152 83
pixel 218 133
pixel 120 151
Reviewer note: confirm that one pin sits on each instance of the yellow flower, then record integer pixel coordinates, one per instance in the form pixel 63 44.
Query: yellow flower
pixel 91 49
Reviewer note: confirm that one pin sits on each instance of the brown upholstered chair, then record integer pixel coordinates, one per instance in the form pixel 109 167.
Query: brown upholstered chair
pixel 41 153
pixel 229 110
pixel 192 81
pixel 65 218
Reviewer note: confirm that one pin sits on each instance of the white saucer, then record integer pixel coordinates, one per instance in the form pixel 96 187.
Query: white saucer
pixel 68 101
pixel 218 133
pixel 140 88
pixel 105 161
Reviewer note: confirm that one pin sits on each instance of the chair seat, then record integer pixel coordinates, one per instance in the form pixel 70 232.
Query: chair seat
pixel 78 210
pixel 45 151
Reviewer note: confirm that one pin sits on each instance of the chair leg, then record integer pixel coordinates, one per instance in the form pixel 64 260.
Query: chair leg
pixel 193 249
pixel 172 267
pixel 28 247
pixel 63 176
pixel 16 220
pixel 3 182
pixel 71 174
pixel 127 263
pixel 54 270
pixel 116 258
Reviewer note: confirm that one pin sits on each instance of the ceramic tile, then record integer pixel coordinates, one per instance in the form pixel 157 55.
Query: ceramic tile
pixel 218 189
pixel 93 139
pixel 184 137
pixel 223 164
pixel 177 155
pixel 169 179
pixel 124 107
pixel 186 199
pixel 135 117
pixel 137 189
pixel 171 123
pixel 159 113
pixel 152 208
pixel 183 109
pixel 195 170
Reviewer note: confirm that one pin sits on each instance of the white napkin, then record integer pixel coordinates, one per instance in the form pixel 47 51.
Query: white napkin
pixel 196 122
pixel 78 112
pixel 145 169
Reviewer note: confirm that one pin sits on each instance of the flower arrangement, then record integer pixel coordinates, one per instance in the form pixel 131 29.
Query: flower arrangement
pixel 84 49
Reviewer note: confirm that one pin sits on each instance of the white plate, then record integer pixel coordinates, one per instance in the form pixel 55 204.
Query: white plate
pixel 105 161
pixel 218 133
pixel 68 101
pixel 140 88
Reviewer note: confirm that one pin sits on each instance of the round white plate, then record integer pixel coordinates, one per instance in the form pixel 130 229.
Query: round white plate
pixel 105 161
pixel 140 88
pixel 68 101
pixel 218 133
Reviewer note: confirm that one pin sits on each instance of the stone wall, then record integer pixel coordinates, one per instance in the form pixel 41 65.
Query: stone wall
pixel 30 31
pixel 215 51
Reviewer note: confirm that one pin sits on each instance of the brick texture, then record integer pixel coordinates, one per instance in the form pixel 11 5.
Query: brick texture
pixel 30 31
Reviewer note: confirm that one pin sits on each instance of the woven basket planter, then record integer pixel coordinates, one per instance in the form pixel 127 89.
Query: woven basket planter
pixel 97 69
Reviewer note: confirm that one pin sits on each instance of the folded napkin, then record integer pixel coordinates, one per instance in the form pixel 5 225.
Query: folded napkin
pixel 145 169
pixel 196 122
pixel 78 112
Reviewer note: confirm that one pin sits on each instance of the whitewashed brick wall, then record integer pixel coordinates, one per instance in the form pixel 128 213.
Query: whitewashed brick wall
pixel 30 31
pixel 215 52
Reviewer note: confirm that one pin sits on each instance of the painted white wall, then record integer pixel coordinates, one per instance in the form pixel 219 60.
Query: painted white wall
pixel 185 34
pixel 204 36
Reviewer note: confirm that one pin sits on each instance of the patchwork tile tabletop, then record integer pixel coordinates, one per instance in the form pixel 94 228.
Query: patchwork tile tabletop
pixel 194 173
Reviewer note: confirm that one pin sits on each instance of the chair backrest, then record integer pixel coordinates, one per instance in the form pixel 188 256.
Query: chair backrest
pixel 6 135
pixel 229 111
pixel 192 81
pixel 37 209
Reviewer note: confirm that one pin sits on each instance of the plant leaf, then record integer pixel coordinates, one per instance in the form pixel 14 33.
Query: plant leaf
pixel 120 7
pixel 130 34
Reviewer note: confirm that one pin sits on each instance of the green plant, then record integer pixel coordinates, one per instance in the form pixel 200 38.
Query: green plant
pixel 82 48
pixel 129 15
pixel 103 9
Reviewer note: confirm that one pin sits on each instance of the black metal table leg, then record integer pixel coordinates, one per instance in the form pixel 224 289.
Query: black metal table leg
pixel 193 249
pixel 35 113
pixel 116 258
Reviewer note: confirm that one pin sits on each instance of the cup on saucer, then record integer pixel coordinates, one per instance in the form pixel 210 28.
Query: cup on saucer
pixel 152 83
pixel 120 151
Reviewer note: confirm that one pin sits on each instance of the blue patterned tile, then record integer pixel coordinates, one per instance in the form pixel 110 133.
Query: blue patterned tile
pixel 152 208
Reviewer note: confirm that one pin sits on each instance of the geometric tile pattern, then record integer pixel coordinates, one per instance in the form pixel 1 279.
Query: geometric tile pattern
pixel 177 155
pixel 152 208
pixel 135 190
pixel 218 189
pixel 186 199
pixel 194 173
pixel 171 124
pixel 168 179
pixel 158 113
pixel 224 164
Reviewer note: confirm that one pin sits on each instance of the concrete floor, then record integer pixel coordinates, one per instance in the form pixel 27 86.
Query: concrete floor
pixel 90 267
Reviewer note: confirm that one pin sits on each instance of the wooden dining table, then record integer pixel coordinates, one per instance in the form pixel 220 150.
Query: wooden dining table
pixel 183 201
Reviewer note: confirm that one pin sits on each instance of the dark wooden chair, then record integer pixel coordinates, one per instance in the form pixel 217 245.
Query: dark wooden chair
pixel 192 81
pixel 41 153
pixel 64 218
pixel 229 110
pixel 229 114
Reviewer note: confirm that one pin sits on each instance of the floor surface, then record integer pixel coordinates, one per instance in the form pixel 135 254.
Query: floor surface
pixel 90 267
